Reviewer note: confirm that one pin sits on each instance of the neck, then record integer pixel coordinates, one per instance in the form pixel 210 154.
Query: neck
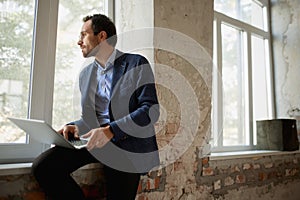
pixel 103 54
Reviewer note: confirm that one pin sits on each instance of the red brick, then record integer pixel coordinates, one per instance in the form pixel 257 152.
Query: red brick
pixel 156 182
pixel 148 187
pixel 92 192
pixel 262 176
pixel 34 196
pixel 240 178
pixel 142 197
pixel 140 187
pixel 205 161
pixel 207 171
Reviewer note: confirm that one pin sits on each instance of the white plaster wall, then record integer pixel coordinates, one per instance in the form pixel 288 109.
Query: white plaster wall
pixel 286 37
pixel 190 26
pixel 133 20
pixel 131 14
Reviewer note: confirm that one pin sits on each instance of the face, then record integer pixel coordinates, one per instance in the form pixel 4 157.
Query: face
pixel 87 40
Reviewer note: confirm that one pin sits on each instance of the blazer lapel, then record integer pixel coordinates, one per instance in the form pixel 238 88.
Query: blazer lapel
pixel 89 83
pixel 118 70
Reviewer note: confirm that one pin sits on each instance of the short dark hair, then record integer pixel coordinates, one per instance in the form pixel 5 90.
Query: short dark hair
pixel 103 23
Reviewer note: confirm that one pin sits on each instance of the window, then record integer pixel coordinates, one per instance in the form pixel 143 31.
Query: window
pixel 38 53
pixel 69 60
pixel 242 75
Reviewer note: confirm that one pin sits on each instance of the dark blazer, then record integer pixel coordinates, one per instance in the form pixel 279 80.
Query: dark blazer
pixel 133 107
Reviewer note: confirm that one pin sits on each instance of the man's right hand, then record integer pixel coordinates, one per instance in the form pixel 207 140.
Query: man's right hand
pixel 69 131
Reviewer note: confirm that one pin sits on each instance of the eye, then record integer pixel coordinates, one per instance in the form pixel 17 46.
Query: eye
pixel 82 35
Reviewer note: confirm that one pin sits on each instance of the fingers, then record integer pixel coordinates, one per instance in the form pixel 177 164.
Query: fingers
pixel 76 135
pixel 76 132
pixel 87 135
pixel 97 139
pixel 66 132
pixel 69 131
pixel 60 131
pixel 92 141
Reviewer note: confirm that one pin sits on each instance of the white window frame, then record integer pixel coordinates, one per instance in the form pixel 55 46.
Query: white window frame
pixel 217 118
pixel 42 78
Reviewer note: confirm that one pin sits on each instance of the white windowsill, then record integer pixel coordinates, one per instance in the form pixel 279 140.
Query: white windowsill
pixel 15 169
pixel 25 168
pixel 248 154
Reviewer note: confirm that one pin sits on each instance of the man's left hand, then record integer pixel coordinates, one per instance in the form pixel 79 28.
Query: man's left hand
pixel 99 137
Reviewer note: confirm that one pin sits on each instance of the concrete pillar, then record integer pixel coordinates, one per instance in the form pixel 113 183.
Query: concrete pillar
pixel 176 37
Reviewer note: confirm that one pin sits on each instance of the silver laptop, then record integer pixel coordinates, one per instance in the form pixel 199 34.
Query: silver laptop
pixel 42 132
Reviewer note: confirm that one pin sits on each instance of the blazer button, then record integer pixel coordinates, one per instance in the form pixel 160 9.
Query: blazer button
pixel 125 137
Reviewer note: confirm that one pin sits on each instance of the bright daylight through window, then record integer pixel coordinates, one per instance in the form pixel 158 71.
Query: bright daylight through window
pixel 17 20
pixel 242 77
pixel 69 60
pixel 39 66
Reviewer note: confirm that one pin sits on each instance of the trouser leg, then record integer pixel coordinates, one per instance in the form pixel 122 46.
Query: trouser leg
pixel 121 185
pixel 52 170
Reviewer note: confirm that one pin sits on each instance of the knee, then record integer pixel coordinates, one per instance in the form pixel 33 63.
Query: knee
pixel 42 164
pixel 39 169
pixel 36 168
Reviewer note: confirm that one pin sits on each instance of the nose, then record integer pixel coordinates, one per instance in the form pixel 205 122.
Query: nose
pixel 79 42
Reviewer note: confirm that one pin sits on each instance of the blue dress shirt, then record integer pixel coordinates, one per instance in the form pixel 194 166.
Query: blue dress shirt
pixel 104 78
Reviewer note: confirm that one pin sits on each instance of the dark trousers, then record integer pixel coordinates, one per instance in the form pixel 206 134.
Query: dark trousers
pixel 53 168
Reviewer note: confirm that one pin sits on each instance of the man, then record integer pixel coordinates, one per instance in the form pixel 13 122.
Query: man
pixel 119 109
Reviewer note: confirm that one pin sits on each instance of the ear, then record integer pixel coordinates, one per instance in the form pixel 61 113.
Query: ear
pixel 102 36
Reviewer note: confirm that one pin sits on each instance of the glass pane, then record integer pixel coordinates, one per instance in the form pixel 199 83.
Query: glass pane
pixel 16 22
pixel 259 81
pixel 233 92
pixel 245 10
pixel 69 60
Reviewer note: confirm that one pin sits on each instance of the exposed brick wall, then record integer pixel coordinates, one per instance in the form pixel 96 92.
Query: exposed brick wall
pixel 25 187
pixel 225 175
pixel 20 187
pixel 91 180
pixel 213 179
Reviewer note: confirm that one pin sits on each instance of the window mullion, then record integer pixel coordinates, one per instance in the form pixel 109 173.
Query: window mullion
pixel 218 101
pixel 241 25
pixel 109 7
pixel 270 86
pixel 270 71
pixel 249 105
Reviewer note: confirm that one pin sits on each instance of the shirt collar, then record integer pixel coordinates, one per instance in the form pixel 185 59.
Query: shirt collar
pixel 109 63
pixel 111 59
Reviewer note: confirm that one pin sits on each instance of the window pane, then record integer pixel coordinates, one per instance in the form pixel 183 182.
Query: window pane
pixel 69 59
pixel 16 21
pixel 233 92
pixel 259 83
pixel 245 10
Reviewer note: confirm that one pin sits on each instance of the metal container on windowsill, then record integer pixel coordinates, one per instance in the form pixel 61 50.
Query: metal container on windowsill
pixel 277 134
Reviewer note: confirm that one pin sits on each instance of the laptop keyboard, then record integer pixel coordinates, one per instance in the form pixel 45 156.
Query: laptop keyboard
pixel 78 142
